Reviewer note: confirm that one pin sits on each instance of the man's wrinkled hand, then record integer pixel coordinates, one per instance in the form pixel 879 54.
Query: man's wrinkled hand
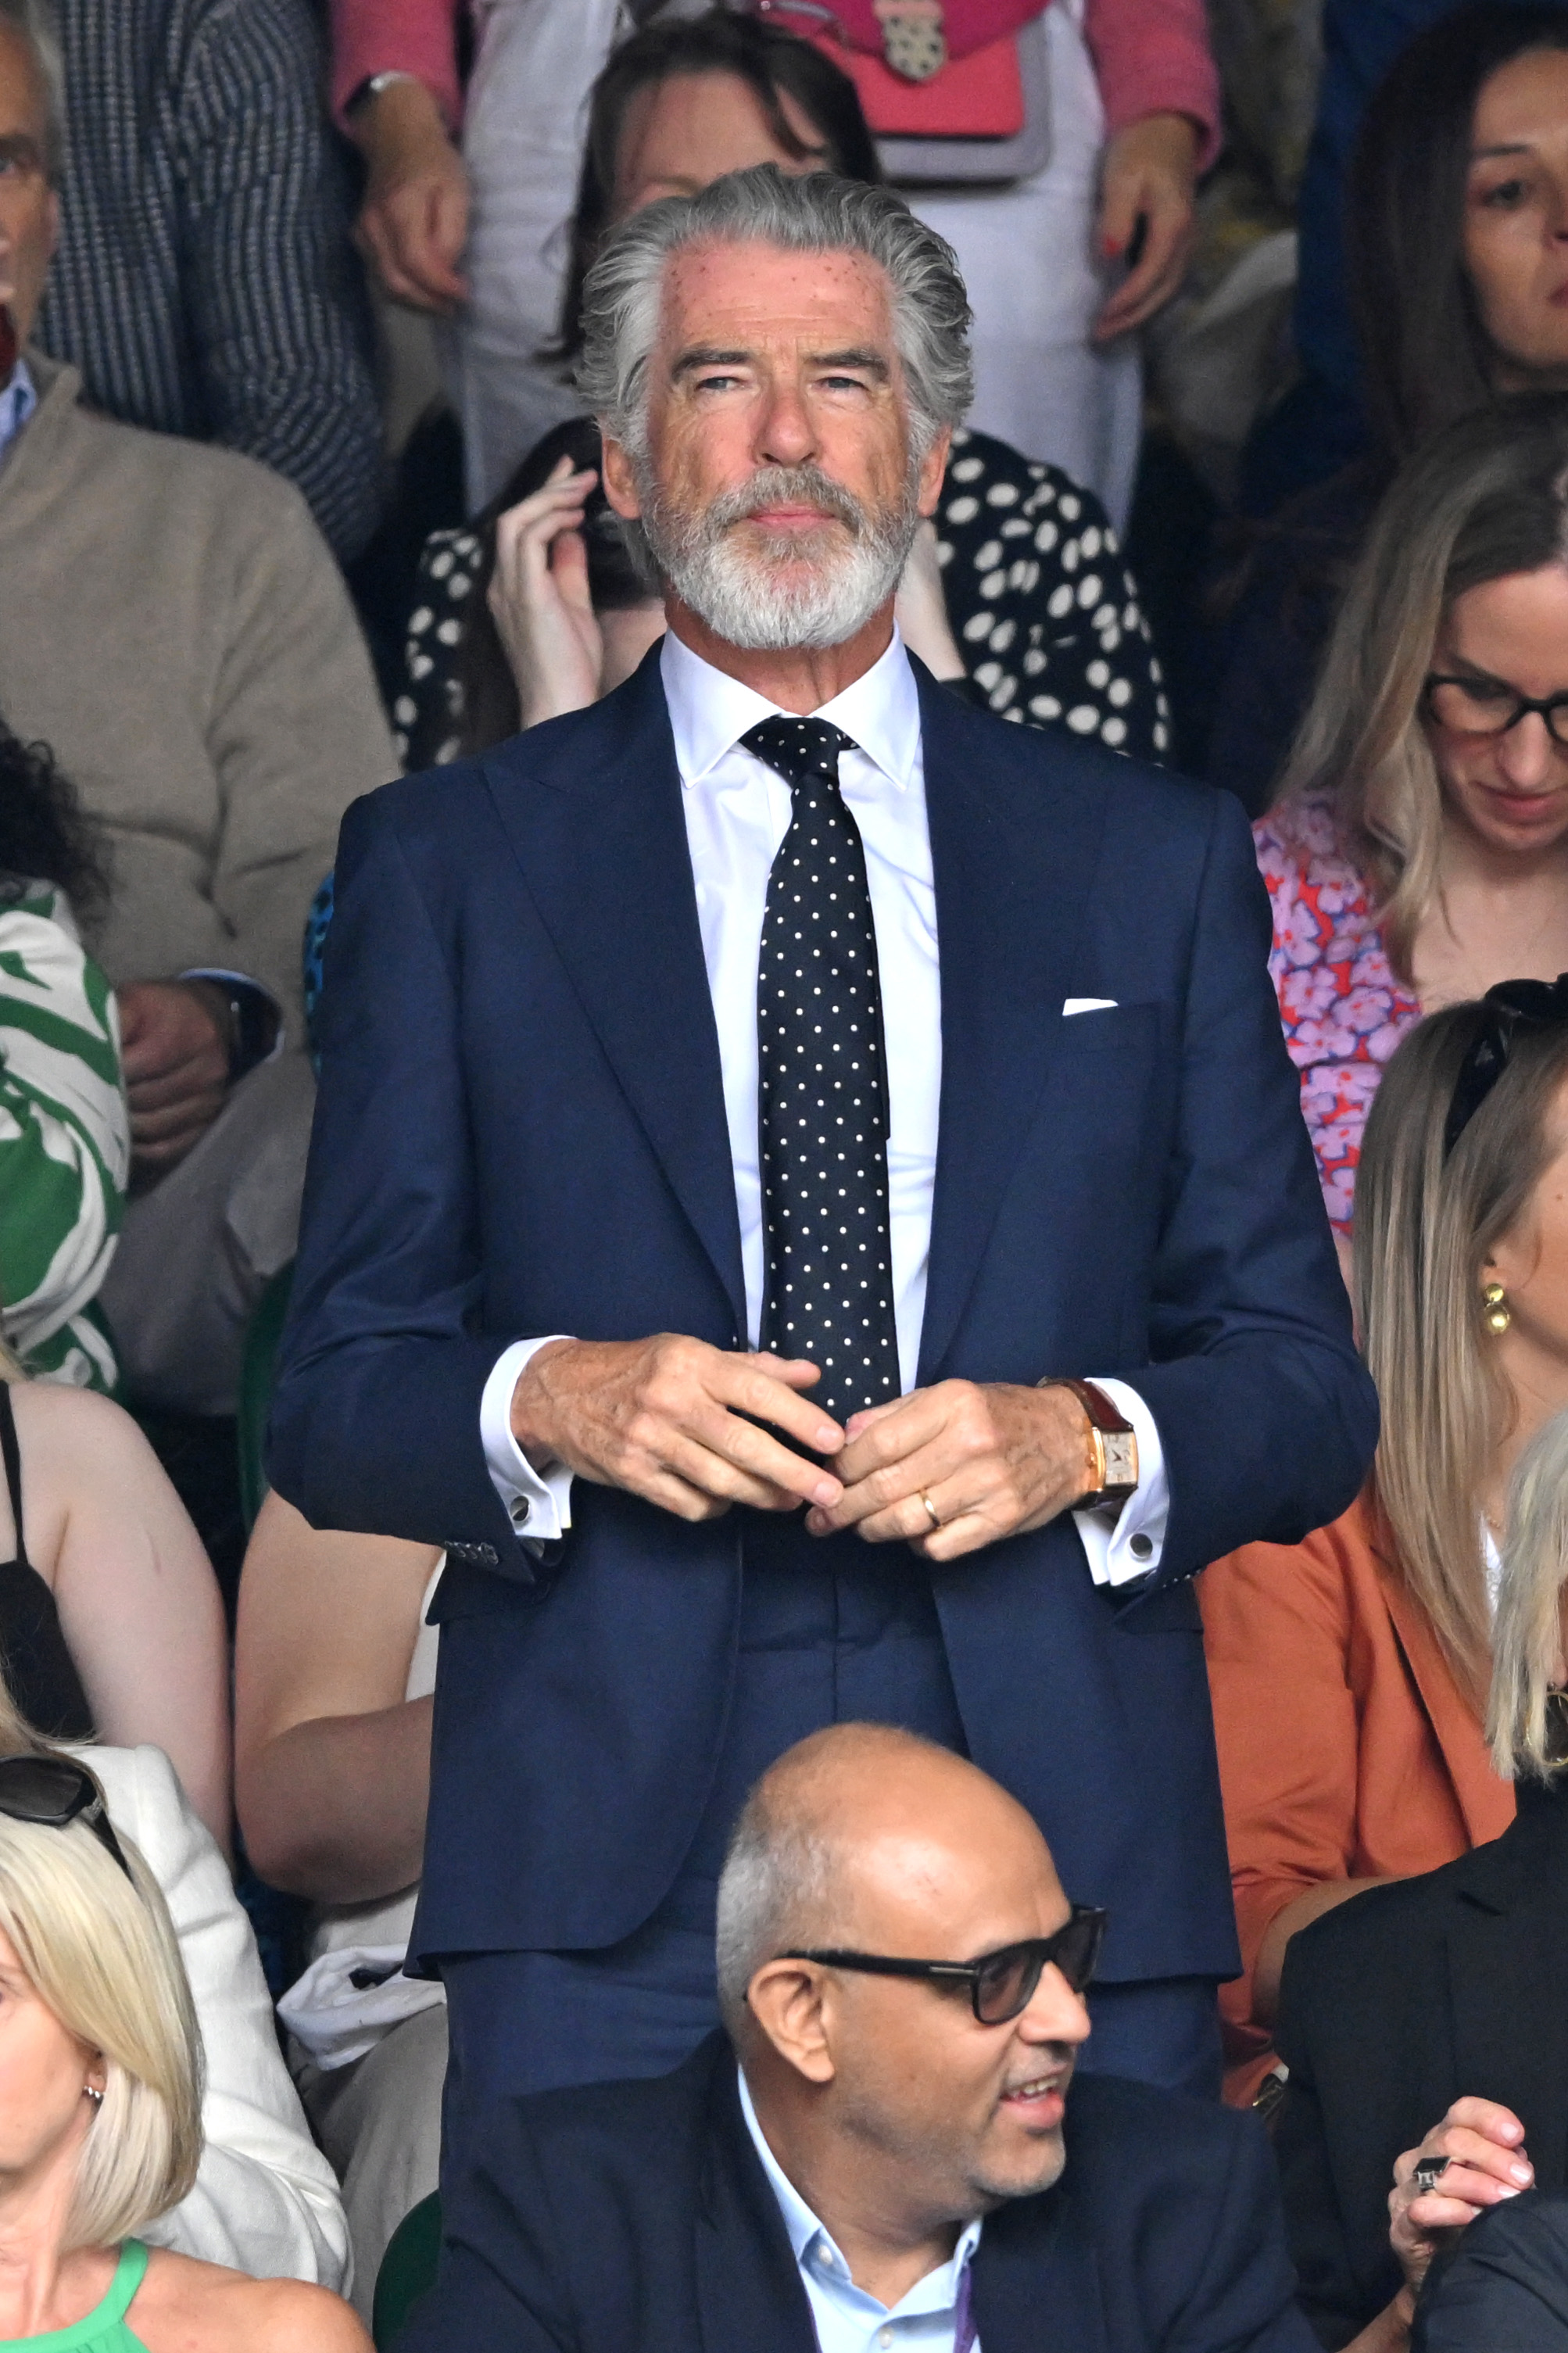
pixel 994 1459
pixel 174 1037
pixel 1484 2144
pixel 674 1420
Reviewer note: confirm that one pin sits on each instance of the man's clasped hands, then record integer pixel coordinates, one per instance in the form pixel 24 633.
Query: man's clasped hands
pixel 689 1426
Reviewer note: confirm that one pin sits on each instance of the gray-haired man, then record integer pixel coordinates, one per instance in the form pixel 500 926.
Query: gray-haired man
pixel 835 1064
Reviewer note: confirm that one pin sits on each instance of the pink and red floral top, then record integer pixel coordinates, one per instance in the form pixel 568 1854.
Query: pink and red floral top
pixel 1343 1008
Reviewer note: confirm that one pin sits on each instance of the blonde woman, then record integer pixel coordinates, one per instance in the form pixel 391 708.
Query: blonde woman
pixel 101 2101
pixel 1350 1672
pixel 1418 851
pixel 1423 2023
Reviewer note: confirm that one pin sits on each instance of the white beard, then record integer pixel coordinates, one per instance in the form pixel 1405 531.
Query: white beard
pixel 735 588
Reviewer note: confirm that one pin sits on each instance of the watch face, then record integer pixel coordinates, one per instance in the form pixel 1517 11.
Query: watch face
pixel 1121 1458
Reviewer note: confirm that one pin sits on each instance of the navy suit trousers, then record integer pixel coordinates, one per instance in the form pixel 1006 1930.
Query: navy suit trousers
pixel 832 1632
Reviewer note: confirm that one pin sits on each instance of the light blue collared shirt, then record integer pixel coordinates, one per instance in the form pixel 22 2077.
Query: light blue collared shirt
pixel 18 402
pixel 847 2319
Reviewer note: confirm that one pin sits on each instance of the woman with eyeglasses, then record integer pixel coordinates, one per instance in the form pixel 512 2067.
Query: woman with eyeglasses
pixel 101 2102
pixel 1350 1672
pixel 1418 851
pixel 259 2195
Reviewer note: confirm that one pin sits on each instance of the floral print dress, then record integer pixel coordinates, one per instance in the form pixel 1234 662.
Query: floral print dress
pixel 1343 1008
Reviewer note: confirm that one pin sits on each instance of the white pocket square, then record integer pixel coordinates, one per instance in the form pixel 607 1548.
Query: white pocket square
pixel 1088 1005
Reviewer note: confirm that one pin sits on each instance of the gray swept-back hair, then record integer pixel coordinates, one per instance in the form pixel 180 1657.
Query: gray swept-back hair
pixel 35 21
pixel 815 212
pixel 773 1887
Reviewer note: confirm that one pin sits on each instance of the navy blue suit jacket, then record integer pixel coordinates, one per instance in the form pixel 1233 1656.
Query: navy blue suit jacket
pixel 634 2218
pixel 521 1130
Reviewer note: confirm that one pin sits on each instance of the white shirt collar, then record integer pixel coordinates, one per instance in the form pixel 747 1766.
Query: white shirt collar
pixel 806 2231
pixel 710 711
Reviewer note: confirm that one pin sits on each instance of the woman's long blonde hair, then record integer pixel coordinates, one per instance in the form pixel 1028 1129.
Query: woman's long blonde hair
pixel 1483 499
pixel 1425 1225
pixel 1527 1643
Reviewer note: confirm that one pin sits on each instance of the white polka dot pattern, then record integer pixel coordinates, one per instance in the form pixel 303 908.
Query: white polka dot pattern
pixel 822 1100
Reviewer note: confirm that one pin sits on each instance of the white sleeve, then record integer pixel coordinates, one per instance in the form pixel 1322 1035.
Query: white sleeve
pixel 537 1502
pixel 1125 1546
pixel 265 2200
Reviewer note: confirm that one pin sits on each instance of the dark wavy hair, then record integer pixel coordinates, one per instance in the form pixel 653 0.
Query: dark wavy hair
pixel 774 65
pixel 1426 358
pixel 45 834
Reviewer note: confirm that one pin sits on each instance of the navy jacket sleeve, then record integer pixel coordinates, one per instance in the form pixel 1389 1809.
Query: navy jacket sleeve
pixel 1267 1417
pixel 499 2279
pixel 389 1279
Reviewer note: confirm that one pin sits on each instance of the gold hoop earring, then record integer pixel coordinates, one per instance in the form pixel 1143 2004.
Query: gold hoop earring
pixel 1496 1313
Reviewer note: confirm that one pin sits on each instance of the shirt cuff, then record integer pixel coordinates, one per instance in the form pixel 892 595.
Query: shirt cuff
pixel 1124 1545
pixel 537 1502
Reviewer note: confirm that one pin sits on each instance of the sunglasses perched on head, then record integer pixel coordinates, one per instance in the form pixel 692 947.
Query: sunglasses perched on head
pixel 54 1791
pixel 1001 1985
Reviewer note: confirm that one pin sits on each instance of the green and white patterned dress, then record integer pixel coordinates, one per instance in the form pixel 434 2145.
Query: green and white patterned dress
pixel 65 1141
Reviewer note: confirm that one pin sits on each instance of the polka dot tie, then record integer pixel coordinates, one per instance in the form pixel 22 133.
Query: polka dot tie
pixel 822 1091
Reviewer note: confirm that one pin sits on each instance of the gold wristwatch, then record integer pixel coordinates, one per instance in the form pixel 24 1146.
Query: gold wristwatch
pixel 1113 1439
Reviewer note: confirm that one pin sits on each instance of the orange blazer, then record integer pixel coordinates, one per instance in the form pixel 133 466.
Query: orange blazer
pixel 1346 1748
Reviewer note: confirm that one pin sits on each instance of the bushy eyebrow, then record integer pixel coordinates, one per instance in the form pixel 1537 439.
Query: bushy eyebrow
pixel 709 355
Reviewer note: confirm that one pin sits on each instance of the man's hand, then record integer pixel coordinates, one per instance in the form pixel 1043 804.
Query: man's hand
pixel 540 602
pixel 665 1420
pixel 995 1460
pixel 414 221
pixel 174 1037
pixel 1484 2143
pixel 1149 172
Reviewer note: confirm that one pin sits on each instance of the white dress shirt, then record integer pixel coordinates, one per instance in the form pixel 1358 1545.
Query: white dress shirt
pixel 848 2320
pixel 737 812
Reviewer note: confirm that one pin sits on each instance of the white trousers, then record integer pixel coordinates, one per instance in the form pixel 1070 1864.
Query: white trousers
pixel 1025 251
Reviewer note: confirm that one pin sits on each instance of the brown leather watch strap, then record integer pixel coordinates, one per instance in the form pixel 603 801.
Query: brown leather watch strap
pixel 1115 1474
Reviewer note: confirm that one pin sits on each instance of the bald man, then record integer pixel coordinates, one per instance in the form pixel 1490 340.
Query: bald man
pixel 880 2150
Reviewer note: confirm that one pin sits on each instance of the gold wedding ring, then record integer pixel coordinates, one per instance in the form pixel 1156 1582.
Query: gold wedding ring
pixel 932 1515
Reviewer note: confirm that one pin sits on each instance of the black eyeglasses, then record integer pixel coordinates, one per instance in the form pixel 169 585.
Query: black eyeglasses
pixel 1486 706
pixel 56 1792
pixel 1001 1984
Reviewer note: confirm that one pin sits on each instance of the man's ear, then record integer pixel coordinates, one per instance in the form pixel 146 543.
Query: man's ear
pixel 933 467
pixel 620 480
pixel 790 2001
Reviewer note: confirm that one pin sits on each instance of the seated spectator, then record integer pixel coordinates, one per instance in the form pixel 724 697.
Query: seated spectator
pixel 1451 233
pixel 65 1139
pixel 263 2198
pixel 100 2106
pixel 111 1622
pixel 203 283
pixel 334 1671
pixel 1442 1997
pixel 1348 1672
pixel 1020 585
pixel 873 2149
pixel 173 626
pixel 1418 851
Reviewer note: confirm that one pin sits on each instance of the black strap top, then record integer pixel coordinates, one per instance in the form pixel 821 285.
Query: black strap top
pixel 40 1671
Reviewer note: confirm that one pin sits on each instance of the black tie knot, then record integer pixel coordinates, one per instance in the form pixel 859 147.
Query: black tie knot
pixel 799 749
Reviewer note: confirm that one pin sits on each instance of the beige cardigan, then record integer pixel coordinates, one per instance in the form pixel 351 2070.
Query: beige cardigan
pixel 173 626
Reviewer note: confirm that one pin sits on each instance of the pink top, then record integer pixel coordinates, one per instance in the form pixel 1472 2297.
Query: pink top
pixel 1151 57
pixel 1343 1008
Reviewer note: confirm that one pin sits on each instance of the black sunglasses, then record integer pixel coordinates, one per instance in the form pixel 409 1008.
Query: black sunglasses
pixel 1001 1984
pixel 1512 1010
pixel 56 1792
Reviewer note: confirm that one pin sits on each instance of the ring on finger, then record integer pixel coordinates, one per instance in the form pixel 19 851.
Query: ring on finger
pixel 1427 2174
pixel 932 1515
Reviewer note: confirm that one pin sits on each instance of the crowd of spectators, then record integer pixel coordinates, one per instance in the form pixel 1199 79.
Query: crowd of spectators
pixel 222 2105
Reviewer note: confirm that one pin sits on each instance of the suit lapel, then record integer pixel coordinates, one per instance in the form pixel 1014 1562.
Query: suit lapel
pixel 1034 2281
pixel 750 2292
pixel 1013 865
pixel 604 853
pixel 1484 1802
